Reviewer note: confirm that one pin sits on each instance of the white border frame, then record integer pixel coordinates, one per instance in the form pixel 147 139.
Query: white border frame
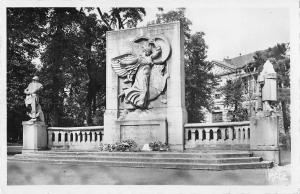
pixel 295 97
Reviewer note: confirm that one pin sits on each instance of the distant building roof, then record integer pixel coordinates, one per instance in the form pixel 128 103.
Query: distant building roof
pixel 224 64
pixel 236 62
pixel 241 61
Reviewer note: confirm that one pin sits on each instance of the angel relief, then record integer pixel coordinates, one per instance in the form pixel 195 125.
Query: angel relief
pixel 143 71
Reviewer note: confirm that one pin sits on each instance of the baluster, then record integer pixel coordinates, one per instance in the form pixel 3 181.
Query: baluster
pixel 230 135
pixel 234 134
pixel 73 134
pixel 56 137
pixel 239 135
pixel 69 138
pixel 200 135
pixel 93 136
pixel 193 136
pixel 216 140
pixel 78 137
pixel 63 137
pixel 223 135
pixel 207 135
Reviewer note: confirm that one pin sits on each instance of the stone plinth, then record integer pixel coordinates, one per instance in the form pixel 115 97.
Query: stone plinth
pixel 34 136
pixel 143 131
pixel 264 140
pixel 168 107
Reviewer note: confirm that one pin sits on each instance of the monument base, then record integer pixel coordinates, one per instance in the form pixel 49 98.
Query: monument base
pixel 264 139
pixel 141 126
pixel 268 154
pixel 143 131
pixel 34 136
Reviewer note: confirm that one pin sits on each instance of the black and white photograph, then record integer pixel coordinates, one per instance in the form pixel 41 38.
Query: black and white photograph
pixel 150 94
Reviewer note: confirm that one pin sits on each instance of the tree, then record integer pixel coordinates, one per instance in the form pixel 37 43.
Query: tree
pixel 199 80
pixel 71 45
pixel 175 15
pixel 120 18
pixel 23 32
pixel 61 61
pixel 75 57
pixel 234 96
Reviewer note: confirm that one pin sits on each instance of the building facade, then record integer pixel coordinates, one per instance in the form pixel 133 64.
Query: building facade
pixel 226 71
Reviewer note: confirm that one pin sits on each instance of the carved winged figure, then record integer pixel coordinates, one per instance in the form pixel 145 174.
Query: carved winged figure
pixel 144 70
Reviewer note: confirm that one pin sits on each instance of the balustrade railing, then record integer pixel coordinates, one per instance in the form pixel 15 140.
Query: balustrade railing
pixel 231 135
pixel 80 138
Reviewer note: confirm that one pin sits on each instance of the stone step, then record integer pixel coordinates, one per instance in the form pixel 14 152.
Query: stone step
pixel 212 160
pixel 221 146
pixel 188 166
pixel 233 154
pixel 141 159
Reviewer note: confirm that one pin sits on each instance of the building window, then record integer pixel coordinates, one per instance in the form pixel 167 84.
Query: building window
pixel 246 85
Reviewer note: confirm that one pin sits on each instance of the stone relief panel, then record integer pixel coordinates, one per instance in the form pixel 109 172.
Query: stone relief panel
pixel 143 72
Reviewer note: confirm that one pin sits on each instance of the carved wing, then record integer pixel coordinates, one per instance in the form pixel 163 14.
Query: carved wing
pixel 124 64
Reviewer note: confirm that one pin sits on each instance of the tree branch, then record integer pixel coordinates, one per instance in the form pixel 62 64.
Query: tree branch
pixel 103 19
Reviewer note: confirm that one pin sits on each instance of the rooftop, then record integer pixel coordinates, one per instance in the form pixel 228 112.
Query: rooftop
pixel 241 60
pixel 236 62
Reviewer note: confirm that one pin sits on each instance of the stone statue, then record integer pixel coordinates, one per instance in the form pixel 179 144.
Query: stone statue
pixel 32 99
pixel 267 81
pixel 145 71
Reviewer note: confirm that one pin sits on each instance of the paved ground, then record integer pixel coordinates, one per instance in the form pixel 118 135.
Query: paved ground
pixel 23 173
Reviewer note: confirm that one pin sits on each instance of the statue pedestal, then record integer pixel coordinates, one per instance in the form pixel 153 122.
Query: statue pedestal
pixel 264 139
pixel 34 136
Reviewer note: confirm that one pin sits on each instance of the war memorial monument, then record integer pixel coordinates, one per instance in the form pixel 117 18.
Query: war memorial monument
pixel 145 101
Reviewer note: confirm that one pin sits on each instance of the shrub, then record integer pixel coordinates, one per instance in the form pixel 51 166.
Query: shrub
pixel 159 146
pixel 128 145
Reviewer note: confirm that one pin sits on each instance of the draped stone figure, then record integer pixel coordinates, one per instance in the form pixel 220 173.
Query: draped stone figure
pixel 145 71
pixel 32 99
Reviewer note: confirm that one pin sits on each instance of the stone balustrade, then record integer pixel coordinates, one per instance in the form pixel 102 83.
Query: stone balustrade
pixel 231 135
pixel 77 138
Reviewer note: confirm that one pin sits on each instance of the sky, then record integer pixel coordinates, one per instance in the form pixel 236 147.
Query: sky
pixel 231 31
